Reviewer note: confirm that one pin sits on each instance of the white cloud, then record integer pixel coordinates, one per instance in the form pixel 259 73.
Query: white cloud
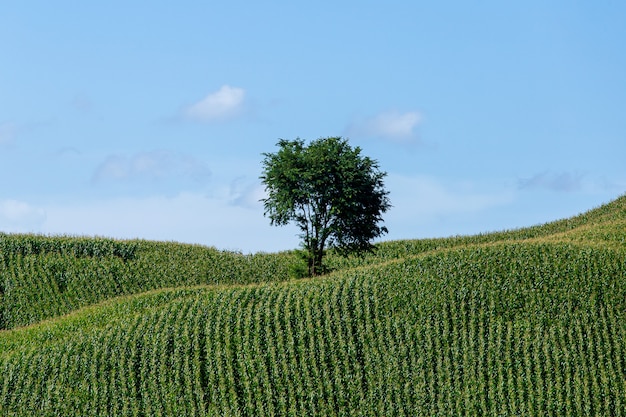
pixel 424 206
pixel 186 217
pixel 222 104
pixel 115 167
pixel 246 194
pixel 152 165
pixel 18 216
pixel 392 125
pixel 428 196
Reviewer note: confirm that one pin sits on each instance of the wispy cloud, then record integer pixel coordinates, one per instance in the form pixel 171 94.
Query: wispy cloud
pixel 223 104
pixel 246 194
pixel 184 217
pixel 82 103
pixel 7 133
pixel 431 196
pixel 153 166
pixel 426 206
pixel 563 181
pixel 391 125
pixel 19 216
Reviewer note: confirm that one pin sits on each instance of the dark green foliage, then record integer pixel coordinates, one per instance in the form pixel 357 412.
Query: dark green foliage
pixel 333 194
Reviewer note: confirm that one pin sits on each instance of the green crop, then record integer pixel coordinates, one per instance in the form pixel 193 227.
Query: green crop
pixel 43 277
pixel 527 322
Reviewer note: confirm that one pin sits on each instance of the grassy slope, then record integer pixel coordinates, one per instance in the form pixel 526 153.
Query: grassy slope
pixel 43 277
pixel 519 322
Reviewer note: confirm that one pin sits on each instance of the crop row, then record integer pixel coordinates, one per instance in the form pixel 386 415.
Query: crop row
pixel 77 246
pixel 39 284
pixel 503 330
pixel 604 225
pixel 43 277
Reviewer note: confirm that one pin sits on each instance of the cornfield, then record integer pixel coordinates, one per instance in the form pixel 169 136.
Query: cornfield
pixel 44 277
pixel 516 323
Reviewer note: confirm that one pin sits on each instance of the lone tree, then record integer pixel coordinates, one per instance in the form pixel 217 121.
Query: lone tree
pixel 334 195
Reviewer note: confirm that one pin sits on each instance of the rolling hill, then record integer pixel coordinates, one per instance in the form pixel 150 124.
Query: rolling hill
pixel 522 322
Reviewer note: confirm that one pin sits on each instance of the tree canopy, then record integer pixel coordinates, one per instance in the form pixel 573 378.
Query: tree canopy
pixel 335 196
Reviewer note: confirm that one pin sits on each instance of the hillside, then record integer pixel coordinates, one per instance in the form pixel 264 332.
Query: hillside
pixel 521 322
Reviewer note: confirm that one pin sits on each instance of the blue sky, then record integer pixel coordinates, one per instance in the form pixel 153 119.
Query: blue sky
pixel 136 119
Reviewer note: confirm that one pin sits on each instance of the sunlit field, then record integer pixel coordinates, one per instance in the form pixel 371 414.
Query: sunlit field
pixel 521 322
